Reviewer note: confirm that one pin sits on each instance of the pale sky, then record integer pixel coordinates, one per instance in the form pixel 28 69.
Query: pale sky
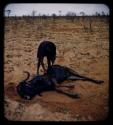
pixel 50 8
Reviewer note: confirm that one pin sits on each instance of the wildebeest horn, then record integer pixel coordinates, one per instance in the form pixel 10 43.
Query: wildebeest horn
pixel 28 75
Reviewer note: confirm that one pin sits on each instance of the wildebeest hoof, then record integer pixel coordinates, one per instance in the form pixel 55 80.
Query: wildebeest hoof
pixel 100 81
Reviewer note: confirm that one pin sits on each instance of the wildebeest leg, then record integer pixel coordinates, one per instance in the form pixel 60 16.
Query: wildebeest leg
pixel 42 63
pixel 38 65
pixel 59 85
pixel 80 77
pixel 55 82
pixel 49 62
pixel 75 76
pixel 68 86
pixel 72 95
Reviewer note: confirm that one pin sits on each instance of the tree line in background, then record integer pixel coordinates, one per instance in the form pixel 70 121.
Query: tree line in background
pixel 68 14
pixel 71 16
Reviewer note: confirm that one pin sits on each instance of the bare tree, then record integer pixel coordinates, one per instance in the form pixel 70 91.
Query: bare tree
pixel 54 16
pixel 97 14
pixel 60 12
pixel 44 16
pixel 8 12
pixel 71 15
pixel 103 14
pixel 90 24
pixel 82 13
pixel 33 13
pixel 87 23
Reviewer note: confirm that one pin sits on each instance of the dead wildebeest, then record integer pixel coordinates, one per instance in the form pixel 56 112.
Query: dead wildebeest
pixel 56 74
pixel 46 49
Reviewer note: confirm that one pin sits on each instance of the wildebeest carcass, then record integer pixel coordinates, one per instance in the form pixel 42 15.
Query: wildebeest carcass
pixel 46 49
pixel 52 80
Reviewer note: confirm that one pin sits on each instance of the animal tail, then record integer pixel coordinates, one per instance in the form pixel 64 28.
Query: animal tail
pixel 28 75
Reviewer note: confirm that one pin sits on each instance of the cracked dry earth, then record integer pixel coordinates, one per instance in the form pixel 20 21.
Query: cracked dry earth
pixel 85 51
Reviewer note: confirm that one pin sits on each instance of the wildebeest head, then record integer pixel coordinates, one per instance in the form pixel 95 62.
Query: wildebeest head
pixel 21 87
pixel 28 89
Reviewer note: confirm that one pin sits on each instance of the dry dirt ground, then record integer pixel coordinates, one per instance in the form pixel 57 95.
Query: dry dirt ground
pixel 83 49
